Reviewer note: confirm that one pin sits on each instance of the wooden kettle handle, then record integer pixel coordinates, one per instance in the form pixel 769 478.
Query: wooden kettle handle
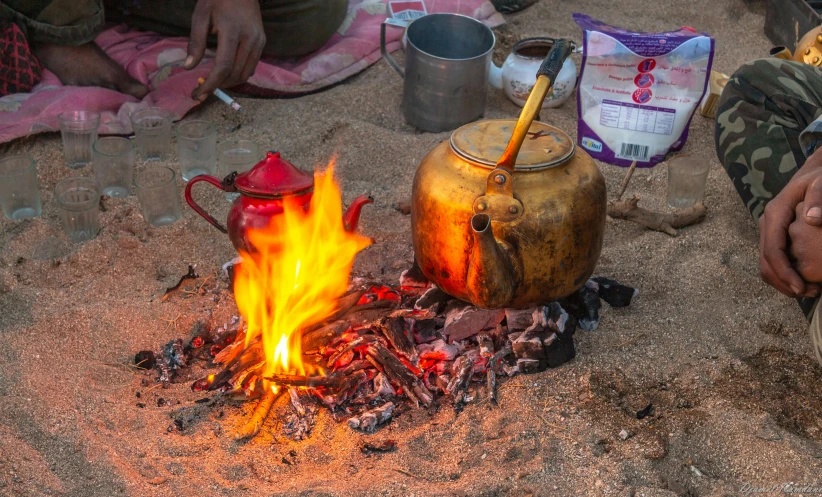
pixel 546 75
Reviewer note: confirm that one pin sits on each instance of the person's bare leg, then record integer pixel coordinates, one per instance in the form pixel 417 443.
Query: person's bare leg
pixel 88 65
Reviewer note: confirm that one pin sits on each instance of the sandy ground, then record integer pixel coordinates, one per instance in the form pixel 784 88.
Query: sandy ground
pixel 724 359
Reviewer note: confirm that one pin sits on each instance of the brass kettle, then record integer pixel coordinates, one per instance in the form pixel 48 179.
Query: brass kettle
pixel 515 225
pixel 808 50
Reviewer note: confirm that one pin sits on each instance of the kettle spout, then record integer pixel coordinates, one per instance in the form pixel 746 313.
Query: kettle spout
pixel 490 271
pixel 352 215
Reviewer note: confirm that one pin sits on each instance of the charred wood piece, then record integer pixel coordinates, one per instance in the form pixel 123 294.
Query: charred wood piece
pixel 346 388
pixel 369 420
pixel 491 383
pixel 333 381
pixel 424 330
pixel 432 298
pixel 463 370
pixel 437 350
pixel 486 345
pixel 394 330
pixel 519 319
pixel 399 373
pixel 461 323
pixel 363 340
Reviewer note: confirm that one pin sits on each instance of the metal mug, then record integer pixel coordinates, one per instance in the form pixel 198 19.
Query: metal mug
pixel 446 70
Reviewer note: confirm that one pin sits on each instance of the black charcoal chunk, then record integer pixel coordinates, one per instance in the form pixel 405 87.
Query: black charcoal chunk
pixel 584 306
pixel 616 294
pixel 560 350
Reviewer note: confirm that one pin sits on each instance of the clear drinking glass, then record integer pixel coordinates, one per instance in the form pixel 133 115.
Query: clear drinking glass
pixel 157 191
pixel 152 132
pixel 19 191
pixel 79 202
pixel 239 156
pixel 197 148
pixel 114 165
pixel 79 131
pixel 687 176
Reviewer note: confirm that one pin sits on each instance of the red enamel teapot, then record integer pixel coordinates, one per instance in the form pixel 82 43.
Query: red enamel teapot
pixel 262 190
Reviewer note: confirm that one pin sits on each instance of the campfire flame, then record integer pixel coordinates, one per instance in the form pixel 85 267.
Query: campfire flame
pixel 300 268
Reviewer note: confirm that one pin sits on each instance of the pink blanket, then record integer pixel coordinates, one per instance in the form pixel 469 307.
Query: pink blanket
pixel 157 62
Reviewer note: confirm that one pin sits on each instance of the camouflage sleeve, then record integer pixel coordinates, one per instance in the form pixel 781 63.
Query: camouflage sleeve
pixel 62 22
pixel 811 137
pixel 764 108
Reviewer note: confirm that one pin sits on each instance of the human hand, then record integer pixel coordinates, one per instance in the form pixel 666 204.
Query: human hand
pixel 775 267
pixel 805 243
pixel 238 25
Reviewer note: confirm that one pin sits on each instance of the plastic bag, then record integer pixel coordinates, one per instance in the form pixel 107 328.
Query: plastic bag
pixel 638 92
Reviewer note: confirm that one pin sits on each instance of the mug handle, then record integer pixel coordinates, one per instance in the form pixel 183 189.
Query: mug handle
pixel 384 51
pixel 199 210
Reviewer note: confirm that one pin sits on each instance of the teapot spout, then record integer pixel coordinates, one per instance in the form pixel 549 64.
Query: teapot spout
pixel 352 215
pixel 490 278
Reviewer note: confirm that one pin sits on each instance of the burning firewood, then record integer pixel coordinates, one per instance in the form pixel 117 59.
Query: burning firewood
pixel 394 330
pixel 398 372
pixel 252 426
pixel 380 350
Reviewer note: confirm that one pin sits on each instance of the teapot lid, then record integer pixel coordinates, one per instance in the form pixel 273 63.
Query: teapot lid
pixel 484 142
pixel 274 177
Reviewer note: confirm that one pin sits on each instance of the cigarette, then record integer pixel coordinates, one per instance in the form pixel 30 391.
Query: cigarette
pixel 222 96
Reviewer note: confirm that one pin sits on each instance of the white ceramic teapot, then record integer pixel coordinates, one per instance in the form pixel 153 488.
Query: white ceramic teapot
pixel 518 73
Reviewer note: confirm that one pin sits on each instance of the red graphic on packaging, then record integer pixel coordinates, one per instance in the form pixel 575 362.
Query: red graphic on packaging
pixel 642 96
pixel 646 65
pixel 644 80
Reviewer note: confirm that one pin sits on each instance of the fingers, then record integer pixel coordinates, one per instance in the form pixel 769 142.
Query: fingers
pixel 244 53
pixel 200 21
pixel 775 267
pixel 813 203
pixel 227 41
pixel 252 61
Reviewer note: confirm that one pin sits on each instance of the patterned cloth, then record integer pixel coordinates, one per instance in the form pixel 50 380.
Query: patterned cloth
pixel 157 61
pixel 19 68
pixel 767 123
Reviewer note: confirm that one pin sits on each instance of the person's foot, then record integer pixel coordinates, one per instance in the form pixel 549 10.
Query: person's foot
pixel 88 65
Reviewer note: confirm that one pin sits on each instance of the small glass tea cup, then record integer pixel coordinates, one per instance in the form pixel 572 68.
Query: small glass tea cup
pixel 114 165
pixel 79 131
pixel 19 191
pixel 196 145
pixel 157 191
pixel 79 202
pixel 687 176
pixel 152 132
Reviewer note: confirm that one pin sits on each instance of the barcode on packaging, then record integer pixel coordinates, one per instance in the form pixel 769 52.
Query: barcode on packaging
pixel 633 151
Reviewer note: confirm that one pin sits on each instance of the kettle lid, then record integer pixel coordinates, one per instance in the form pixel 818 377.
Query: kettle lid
pixel 274 177
pixel 483 143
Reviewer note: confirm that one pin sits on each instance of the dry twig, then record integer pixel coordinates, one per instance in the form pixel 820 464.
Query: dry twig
pixel 629 210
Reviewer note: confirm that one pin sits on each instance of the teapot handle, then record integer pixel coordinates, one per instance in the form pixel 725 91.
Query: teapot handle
pixel 199 210
pixel 546 75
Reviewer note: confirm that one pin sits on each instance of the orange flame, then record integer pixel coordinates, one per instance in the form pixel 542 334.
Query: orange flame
pixel 300 268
